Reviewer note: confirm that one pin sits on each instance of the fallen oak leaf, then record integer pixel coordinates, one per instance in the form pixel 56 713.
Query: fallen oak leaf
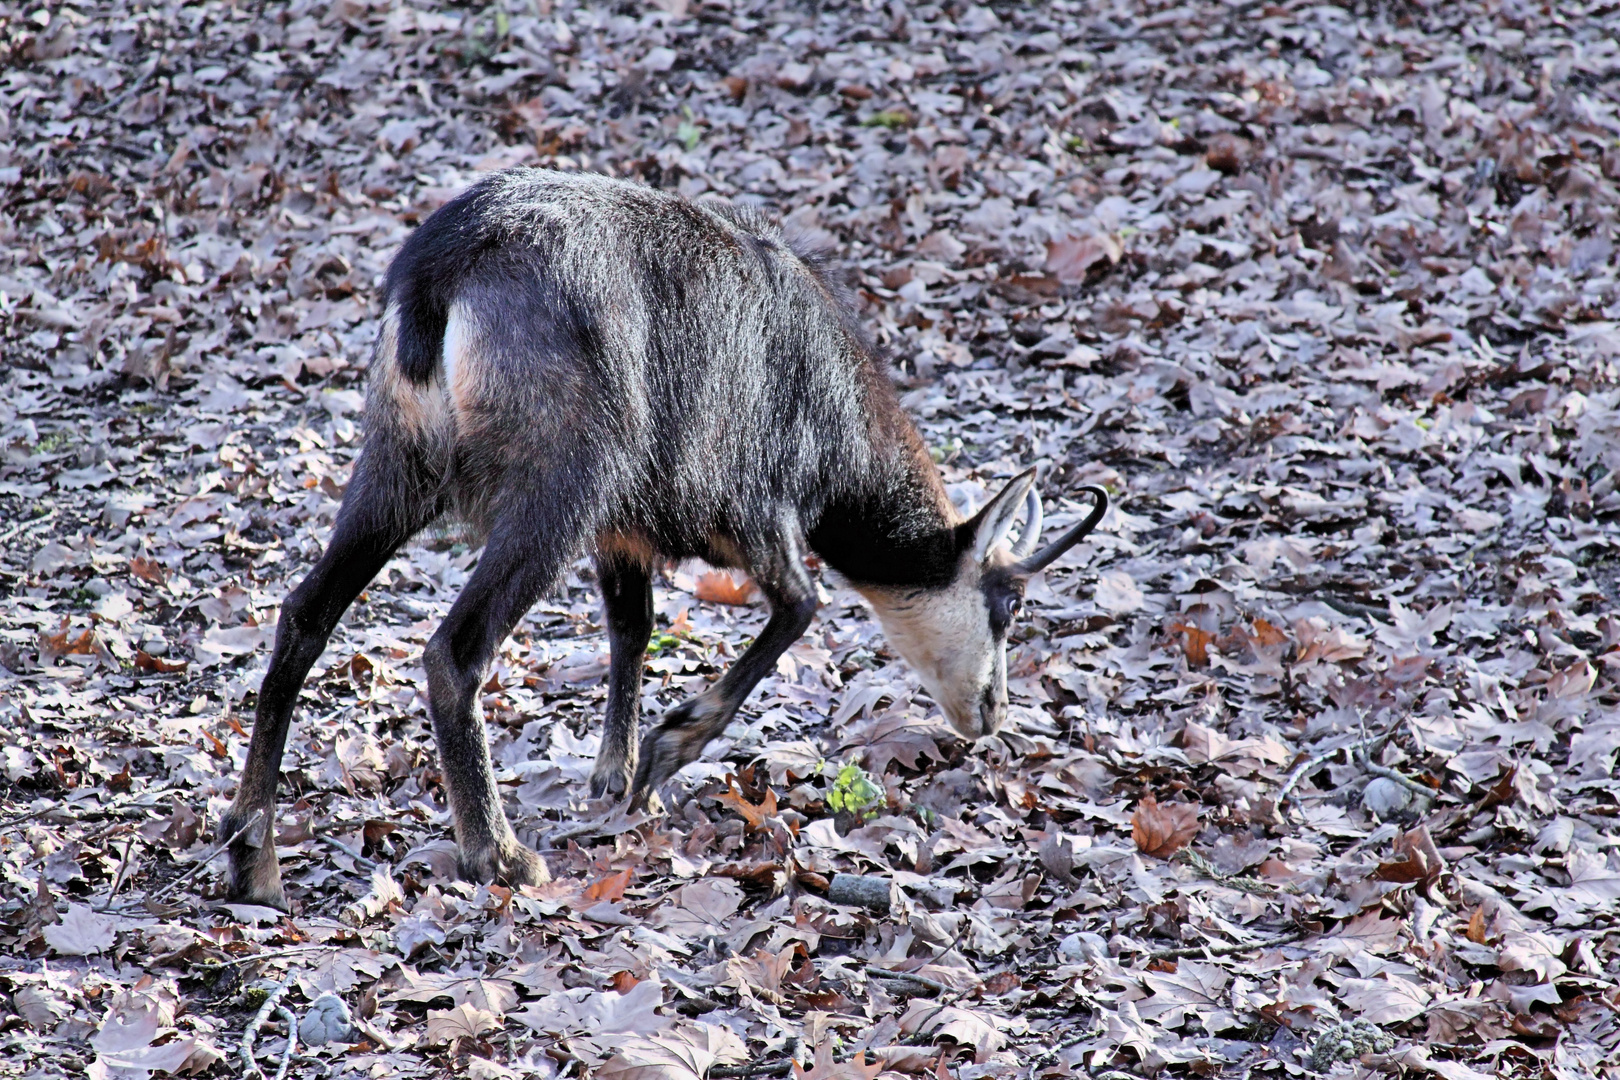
pixel 1416 859
pixel 156 665
pixel 753 814
pixel 149 570
pixel 462 1022
pixel 1194 642
pixel 610 887
pixel 1069 258
pixel 825 1068
pixel 1161 831
pixel 725 587
pixel 686 1053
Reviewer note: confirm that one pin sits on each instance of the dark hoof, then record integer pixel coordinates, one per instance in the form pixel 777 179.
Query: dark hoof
pixel 679 739
pixel 255 878
pixel 612 779
pixel 508 863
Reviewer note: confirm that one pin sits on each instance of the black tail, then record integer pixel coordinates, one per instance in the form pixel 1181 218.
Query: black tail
pixel 424 275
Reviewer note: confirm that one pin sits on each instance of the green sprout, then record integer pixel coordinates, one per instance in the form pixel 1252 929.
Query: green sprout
pixel 688 134
pixel 662 643
pixel 888 118
pixel 854 790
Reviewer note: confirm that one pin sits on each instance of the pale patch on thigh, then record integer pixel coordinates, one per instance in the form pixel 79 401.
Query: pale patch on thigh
pixel 421 410
pixel 468 373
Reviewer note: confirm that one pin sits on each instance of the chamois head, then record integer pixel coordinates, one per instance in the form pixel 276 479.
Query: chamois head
pixel 955 636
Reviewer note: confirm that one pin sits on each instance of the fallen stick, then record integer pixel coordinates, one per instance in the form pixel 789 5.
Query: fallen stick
pixel 292 1041
pixel 251 1034
pixel 1223 950
pixel 202 862
pixel 884 974
pixel 859 890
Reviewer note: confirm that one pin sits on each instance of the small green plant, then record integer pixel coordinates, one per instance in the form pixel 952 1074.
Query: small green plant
pixel 854 790
pixel 688 134
pixel 662 643
pixel 888 118
pixel 51 442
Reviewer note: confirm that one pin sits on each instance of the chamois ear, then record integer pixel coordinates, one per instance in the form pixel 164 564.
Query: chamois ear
pixel 992 523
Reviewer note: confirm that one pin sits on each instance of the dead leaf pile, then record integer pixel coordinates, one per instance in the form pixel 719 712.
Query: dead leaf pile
pixel 1311 755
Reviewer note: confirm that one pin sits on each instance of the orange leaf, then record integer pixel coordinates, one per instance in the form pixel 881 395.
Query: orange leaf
pixel 1476 926
pixel 1266 634
pixel 146 569
pixel 723 587
pixel 144 661
pixel 610 887
pixel 1194 642
pixel 1416 859
pixel 623 981
pixel 753 814
pixel 1163 830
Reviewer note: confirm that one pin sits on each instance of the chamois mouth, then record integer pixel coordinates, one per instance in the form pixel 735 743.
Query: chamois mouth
pixel 989 715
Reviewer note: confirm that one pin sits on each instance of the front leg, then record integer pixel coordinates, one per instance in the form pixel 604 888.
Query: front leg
pixel 688 727
pixel 627 595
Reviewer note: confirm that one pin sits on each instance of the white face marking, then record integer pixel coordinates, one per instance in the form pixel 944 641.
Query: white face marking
pixel 945 635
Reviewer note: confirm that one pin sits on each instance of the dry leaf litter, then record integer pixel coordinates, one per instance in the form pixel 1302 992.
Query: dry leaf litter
pixel 1311 761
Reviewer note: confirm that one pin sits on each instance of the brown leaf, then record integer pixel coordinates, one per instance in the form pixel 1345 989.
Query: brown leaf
pixel 146 662
pixel 1068 259
pixel 1194 642
pixel 1416 859
pixel 1162 831
pixel 753 814
pixel 147 569
pixel 462 1022
pixel 610 887
pixel 826 1068
pixel 725 587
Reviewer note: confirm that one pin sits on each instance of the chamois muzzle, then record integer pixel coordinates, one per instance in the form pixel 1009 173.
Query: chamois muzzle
pixel 1033 564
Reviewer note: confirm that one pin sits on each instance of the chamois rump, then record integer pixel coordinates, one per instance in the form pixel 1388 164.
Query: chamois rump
pixel 572 364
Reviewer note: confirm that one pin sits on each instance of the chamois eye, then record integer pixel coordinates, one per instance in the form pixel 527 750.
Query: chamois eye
pixel 1013 606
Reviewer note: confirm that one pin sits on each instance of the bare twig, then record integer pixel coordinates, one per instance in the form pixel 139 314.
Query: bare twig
pixel 118 878
pixel 202 861
pixel 24 526
pixel 292 1041
pixel 1311 764
pixel 760 1068
pixel 359 860
pixel 251 1034
pixel 908 977
pixel 1224 950
pixel 1390 774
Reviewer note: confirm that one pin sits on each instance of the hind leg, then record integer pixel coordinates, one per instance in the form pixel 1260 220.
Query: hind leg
pixel 383 506
pixel 778 570
pixel 531 544
pixel 627 596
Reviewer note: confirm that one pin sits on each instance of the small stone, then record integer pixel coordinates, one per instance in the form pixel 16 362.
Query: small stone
pixel 328 1020
pixel 1384 796
pixel 1083 948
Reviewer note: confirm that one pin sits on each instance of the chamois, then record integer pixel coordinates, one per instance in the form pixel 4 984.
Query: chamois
pixel 570 365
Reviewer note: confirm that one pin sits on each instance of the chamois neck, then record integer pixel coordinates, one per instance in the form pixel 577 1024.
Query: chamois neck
pixel 894 525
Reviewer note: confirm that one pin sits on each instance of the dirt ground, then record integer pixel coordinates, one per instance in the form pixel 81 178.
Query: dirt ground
pixel 1310 768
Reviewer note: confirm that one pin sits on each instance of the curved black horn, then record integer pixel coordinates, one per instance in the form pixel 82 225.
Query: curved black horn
pixel 1031 534
pixel 1047 555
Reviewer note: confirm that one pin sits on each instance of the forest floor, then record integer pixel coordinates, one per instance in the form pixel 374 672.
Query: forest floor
pixel 1310 767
